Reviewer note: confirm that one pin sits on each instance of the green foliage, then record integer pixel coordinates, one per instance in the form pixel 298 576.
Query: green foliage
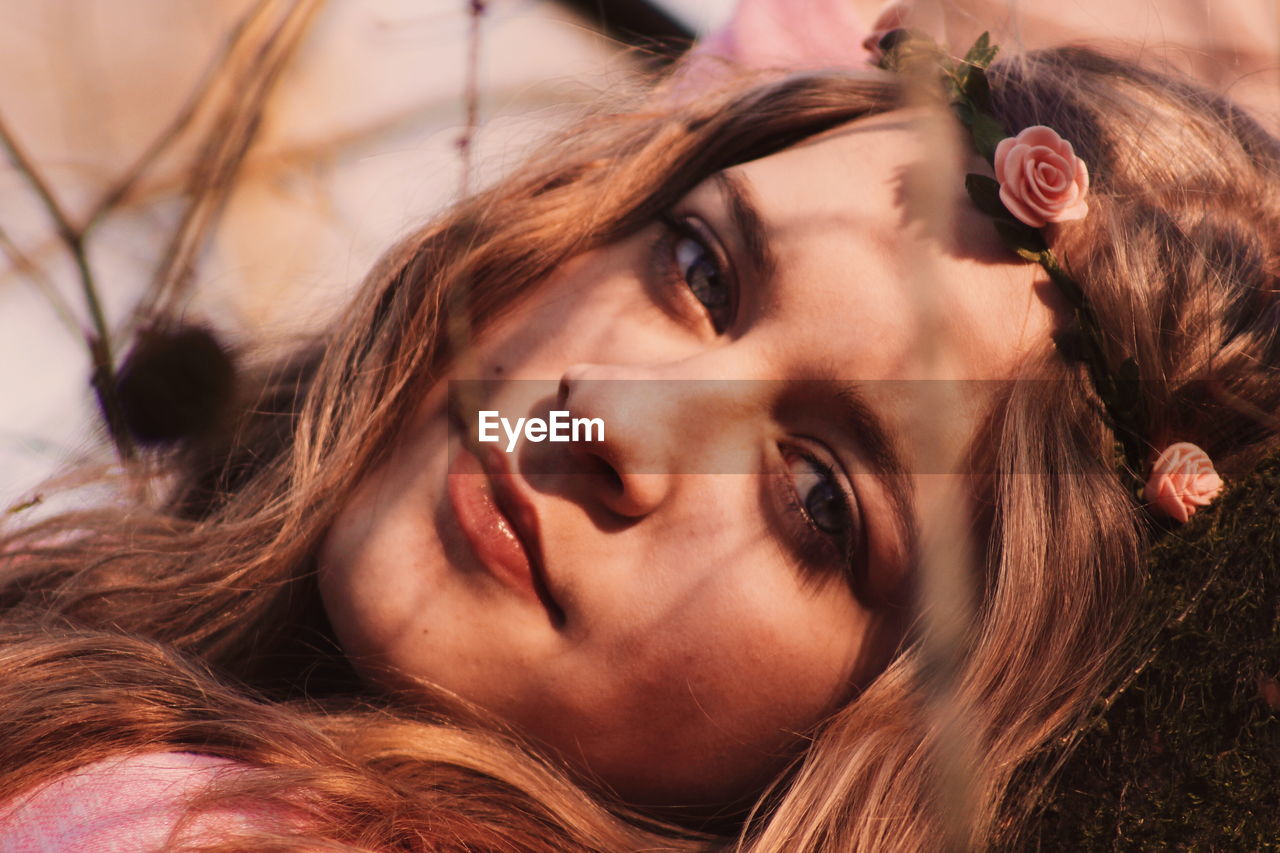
pixel 1187 757
pixel 982 53
pixel 984 192
pixel 971 96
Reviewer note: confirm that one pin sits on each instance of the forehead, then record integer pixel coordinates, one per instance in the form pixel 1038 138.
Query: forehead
pixel 881 258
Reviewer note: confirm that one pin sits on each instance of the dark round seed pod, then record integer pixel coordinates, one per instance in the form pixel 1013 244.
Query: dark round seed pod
pixel 176 383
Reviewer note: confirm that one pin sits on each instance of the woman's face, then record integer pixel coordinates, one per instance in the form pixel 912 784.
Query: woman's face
pixel 673 607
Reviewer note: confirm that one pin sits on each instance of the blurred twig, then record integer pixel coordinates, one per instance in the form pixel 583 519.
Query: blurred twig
pixel 99 340
pixel 471 98
pixel 27 267
pixel 458 320
pixel 121 188
pixel 245 71
pixel 253 68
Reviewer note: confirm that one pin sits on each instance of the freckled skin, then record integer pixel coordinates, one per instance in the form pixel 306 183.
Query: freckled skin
pixel 694 649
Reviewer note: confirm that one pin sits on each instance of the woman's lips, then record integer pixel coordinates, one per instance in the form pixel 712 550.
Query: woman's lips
pixel 495 539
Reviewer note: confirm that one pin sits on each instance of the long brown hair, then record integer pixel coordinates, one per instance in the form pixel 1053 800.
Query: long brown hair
pixel 204 606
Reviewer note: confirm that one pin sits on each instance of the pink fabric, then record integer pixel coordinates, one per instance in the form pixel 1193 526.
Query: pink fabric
pixel 786 33
pixel 121 805
pixel 779 34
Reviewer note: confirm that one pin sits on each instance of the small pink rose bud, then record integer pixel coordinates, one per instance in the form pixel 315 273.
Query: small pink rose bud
pixel 1041 178
pixel 1182 480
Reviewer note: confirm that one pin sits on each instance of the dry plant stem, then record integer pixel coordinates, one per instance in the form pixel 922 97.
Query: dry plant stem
pixel 192 107
pixel 223 151
pixel 251 81
pixel 471 98
pixel 99 340
pixel 28 268
pixel 458 326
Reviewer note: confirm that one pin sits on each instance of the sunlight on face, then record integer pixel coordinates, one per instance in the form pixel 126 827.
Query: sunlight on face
pixel 671 627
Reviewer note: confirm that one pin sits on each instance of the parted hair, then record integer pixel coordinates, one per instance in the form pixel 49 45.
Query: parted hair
pixel 192 622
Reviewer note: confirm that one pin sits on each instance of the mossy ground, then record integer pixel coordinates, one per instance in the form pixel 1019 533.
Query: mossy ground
pixel 1187 756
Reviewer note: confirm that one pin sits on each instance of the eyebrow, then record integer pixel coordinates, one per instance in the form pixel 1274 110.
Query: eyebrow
pixel 862 427
pixel 870 434
pixel 745 214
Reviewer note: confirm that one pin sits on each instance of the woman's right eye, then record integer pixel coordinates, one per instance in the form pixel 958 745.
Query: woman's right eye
pixel 691 261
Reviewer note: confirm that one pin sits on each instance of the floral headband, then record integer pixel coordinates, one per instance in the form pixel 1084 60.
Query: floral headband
pixel 1039 180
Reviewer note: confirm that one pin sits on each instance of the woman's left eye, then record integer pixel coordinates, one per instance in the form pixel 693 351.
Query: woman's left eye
pixel 819 498
pixel 694 263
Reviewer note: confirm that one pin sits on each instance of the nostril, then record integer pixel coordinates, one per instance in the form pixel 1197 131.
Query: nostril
pixel 601 478
pixel 569 379
pixel 596 466
pixel 612 479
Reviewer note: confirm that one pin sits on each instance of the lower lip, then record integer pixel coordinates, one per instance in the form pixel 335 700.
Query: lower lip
pixel 488 531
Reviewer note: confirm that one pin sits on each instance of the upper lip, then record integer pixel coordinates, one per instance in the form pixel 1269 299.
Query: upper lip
pixel 520 511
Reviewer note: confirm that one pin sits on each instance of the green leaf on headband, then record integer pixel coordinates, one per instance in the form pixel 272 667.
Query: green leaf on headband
pixel 977 89
pixel 958 73
pixel 987 134
pixel 984 192
pixel 1026 241
pixel 1127 398
pixel 1065 283
pixel 982 53
pixel 963 111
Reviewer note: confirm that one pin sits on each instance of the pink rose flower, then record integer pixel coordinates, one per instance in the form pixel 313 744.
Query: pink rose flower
pixel 1182 479
pixel 1041 178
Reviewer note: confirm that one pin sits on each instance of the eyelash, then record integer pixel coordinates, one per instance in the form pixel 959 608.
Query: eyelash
pixel 819 546
pixel 678 228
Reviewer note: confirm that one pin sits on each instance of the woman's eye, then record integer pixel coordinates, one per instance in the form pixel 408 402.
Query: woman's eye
pixel 819 497
pixel 701 273
pixel 695 265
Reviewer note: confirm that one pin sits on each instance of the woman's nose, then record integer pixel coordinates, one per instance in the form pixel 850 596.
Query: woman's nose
pixel 657 428
pixel 627 464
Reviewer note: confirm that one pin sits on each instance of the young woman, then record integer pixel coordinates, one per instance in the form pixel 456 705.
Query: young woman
pixel 354 625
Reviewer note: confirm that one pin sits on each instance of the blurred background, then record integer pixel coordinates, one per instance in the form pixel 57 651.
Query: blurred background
pixel 243 162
